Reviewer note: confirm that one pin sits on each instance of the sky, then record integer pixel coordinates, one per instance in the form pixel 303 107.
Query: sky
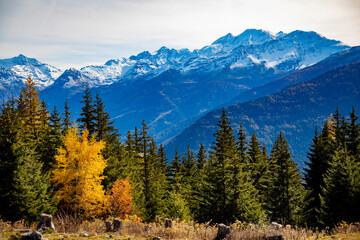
pixel 77 33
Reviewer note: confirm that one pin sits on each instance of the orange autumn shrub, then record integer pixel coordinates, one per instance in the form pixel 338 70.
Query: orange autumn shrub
pixel 120 199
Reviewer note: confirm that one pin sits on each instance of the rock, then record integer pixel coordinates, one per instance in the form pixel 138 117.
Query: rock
pixel 276 225
pixel 108 237
pixel 84 235
pixel 157 238
pixel 45 223
pixel 223 231
pixel 108 226
pixel 35 235
pixel 168 223
pixel 117 225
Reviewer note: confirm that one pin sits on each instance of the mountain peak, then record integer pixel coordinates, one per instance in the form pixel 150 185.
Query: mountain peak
pixel 224 39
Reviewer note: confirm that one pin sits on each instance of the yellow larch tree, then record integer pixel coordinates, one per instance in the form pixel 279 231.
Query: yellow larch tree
pixel 78 173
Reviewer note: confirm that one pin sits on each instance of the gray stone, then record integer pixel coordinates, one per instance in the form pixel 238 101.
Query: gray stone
pixel 117 225
pixel 168 223
pixel 35 235
pixel 108 226
pixel 223 231
pixel 45 223
pixel 85 235
pixel 276 225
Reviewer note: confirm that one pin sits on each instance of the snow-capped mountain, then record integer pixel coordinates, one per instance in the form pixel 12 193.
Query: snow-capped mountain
pixel 280 52
pixel 171 87
pixel 253 48
pixel 22 67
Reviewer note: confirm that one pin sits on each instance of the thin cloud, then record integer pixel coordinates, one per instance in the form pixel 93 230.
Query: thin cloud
pixel 89 30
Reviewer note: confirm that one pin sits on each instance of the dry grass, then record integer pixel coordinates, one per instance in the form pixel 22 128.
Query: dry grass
pixel 133 228
pixel 240 231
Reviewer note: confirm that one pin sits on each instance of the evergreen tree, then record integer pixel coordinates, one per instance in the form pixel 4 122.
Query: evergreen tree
pixel 102 124
pixel 25 188
pixel 340 128
pixel 218 177
pixel 175 172
pixel 201 158
pixel 285 192
pixel 242 147
pixel 257 165
pixel 66 120
pixel 339 194
pixel 87 119
pixel 10 126
pixel 230 194
pixel 153 178
pixel 52 140
pixel 353 142
pixel 31 194
pixel 319 155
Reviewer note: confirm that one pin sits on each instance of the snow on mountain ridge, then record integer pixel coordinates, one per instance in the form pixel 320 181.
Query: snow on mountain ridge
pixel 281 52
pixel 43 74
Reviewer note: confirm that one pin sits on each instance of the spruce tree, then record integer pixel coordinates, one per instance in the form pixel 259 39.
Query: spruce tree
pixel 339 194
pixel 102 124
pixel 257 165
pixel 31 194
pixel 218 175
pixel 319 155
pixel 66 123
pixel 242 147
pixel 10 126
pixel 87 119
pixel 285 193
pixel 201 158
pixel 28 191
pixel 353 143
pixel 175 172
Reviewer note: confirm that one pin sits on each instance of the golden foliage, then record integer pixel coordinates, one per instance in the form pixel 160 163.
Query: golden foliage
pixel 78 173
pixel 120 198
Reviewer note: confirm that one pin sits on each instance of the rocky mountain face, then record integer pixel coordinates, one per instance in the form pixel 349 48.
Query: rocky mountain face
pixel 172 88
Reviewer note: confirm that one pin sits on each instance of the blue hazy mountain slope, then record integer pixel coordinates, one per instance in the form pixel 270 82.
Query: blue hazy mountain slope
pixel 296 110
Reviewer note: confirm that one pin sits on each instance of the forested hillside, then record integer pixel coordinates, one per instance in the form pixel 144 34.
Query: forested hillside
pixel 296 110
pixel 49 164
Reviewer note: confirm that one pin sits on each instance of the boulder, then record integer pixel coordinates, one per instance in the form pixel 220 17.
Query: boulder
pixel 35 235
pixel 223 231
pixel 45 223
pixel 276 225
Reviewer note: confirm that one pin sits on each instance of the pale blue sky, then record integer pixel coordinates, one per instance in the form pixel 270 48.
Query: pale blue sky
pixel 76 33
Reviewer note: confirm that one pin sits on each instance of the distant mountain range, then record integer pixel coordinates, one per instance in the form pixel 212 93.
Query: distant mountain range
pixel 295 110
pixel 172 88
